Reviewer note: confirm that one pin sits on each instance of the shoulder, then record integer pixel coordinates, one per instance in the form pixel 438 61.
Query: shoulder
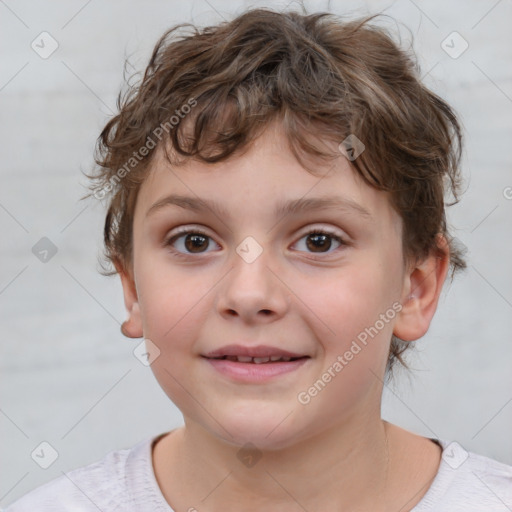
pixel 101 485
pixel 468 482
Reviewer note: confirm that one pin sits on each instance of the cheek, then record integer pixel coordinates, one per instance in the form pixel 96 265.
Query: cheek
pixel 174 303
pixel 348 301
pixel 353 335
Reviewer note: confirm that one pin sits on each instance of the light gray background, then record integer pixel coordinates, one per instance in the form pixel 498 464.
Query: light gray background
pixel 69 377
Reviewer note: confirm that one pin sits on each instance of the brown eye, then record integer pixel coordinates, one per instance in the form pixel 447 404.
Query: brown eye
pixel 320 242
pixel 196 243
pixel 189 242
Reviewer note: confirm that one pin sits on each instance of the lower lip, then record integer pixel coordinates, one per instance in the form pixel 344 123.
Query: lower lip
pixel 254 372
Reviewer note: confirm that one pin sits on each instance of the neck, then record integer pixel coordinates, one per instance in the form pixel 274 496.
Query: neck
pixel 343 467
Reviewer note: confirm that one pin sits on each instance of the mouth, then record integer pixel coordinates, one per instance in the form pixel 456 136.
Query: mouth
pixel 253 364
pixel 255 354
pixel 259 360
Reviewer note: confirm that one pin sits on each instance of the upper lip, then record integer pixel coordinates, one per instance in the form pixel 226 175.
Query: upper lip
pixel 252 351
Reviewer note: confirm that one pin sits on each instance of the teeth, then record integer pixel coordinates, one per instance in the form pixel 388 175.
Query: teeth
pixel 259 360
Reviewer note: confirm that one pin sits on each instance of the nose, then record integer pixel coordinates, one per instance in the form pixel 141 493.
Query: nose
pixel 253 292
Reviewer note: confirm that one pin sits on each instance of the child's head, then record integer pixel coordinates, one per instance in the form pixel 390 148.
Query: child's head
pixel 359 125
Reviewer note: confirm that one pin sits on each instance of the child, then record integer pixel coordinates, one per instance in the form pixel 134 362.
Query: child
pixel 276 214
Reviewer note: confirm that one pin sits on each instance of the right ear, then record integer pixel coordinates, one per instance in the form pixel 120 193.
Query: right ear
pixel 131 328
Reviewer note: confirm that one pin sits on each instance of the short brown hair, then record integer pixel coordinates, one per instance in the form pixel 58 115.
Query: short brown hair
pixel 317 74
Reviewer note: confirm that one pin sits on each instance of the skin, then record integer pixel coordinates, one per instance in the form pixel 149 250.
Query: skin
pixel 334 453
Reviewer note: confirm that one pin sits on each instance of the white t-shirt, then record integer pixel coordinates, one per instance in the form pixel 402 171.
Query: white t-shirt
pixel 124 481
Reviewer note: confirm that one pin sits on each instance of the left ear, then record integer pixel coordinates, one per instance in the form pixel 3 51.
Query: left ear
pixel 421 291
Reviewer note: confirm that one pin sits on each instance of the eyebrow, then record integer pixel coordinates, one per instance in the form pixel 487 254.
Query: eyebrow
pixel 293 206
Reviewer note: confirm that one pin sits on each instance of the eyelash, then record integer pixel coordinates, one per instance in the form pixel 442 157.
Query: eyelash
pixel 198 231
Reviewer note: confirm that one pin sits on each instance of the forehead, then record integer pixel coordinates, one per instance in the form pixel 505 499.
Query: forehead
pixel 266 180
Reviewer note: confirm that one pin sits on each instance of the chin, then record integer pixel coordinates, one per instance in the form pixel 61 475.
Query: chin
pixel 263 429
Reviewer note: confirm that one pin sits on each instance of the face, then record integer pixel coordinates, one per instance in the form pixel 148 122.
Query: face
pixel 312 281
